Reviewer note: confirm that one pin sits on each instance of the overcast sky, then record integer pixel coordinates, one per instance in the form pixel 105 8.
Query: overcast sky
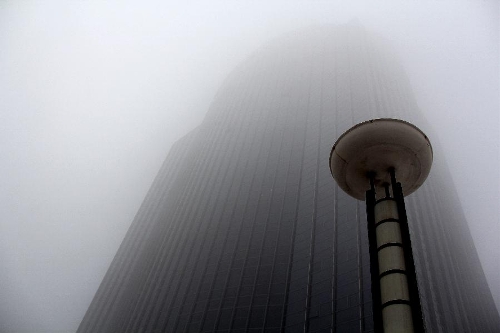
pixel 93 94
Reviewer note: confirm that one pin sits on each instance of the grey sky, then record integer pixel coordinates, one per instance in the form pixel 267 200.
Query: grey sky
pixel 93 94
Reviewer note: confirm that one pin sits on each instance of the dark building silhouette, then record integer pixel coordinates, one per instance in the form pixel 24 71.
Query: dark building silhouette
pixel 244 229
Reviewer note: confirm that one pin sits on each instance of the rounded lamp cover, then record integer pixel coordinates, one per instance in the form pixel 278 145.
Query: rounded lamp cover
pixel 376 146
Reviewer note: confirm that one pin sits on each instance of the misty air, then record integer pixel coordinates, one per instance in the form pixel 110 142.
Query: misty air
pixel 167 167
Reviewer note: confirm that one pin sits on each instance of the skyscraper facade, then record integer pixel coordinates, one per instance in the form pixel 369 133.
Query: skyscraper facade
pixel 244 229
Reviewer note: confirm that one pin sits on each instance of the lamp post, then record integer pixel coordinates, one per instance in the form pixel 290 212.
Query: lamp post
pixel 365 161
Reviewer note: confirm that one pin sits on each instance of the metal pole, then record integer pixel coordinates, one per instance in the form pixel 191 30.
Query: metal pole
pixel 374 270
pixel 416 308
pixel 396 302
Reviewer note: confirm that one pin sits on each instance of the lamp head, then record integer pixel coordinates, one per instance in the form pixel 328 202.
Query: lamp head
pixel 374 147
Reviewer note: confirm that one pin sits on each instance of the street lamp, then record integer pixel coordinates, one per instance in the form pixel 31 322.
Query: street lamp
pixel 364 162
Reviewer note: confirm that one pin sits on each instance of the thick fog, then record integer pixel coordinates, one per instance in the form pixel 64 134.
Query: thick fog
pixel 93 94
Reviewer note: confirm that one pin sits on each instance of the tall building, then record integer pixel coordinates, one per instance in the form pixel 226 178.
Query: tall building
pixel 244 229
